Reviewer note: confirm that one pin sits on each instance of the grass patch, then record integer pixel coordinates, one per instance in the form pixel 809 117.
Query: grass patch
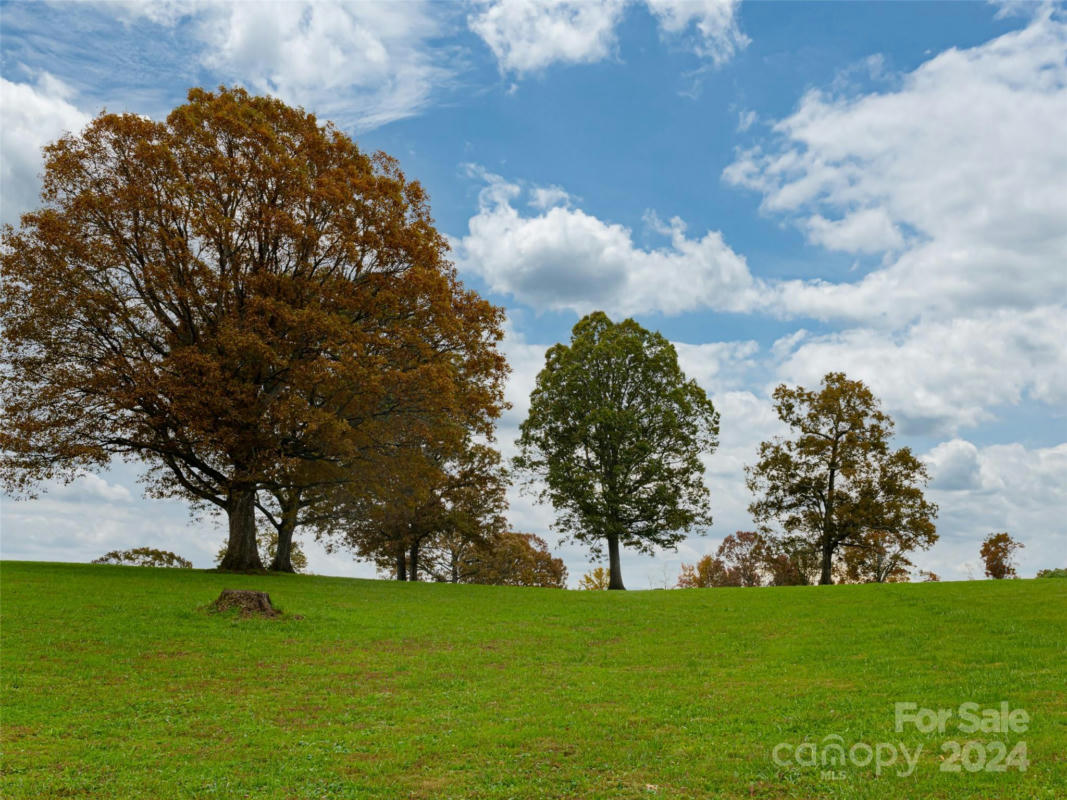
pixel 115 683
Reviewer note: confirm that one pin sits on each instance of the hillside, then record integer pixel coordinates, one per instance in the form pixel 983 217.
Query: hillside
pixel 117 683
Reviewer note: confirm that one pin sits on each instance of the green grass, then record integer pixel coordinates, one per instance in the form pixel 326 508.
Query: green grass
pixel 117 683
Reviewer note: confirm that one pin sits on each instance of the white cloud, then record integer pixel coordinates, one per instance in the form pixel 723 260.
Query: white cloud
pixel 746 119
pixel 869 230
pixel 34 115
pixel 1019 490
pixel 940 376
pixel 359 64
pixel 544 197
pixel 92 488
pixel 98 513
pixel 718 35
pixel 953 466
pixel 564 258
pixel 718 366
pixel 530 35
pixel 965 162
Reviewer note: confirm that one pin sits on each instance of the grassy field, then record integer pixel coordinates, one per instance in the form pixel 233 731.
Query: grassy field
pixel 117 683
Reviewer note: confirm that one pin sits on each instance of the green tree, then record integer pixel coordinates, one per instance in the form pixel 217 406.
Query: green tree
pixel 616 432
pixel 837 480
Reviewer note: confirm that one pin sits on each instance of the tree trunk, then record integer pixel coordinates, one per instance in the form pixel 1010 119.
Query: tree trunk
pixel 283 554
pixel 827 577
pixel 615 565
pixel 413 575
pixel 241 552
pixel 401 563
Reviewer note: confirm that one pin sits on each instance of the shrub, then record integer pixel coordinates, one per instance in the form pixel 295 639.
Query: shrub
pixel 1052 573
pixel 145 557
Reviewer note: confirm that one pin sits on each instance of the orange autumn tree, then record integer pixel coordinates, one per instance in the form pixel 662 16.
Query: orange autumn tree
pixel 837 479
pixel 241 299
pixel 506 559
pixel 741 560
pixel 709 571
pixel 998 555
pixel 423 492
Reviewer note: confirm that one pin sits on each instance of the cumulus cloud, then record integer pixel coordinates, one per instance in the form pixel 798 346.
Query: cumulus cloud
pixel 953 466
pixel 962 165
pixel 565 258
pixel 359 64
pixel 529 35
pixel 940 376
pixel 34 115
pixel 869 230
pixel 96 513
pixel 718 35
pixel 1018 489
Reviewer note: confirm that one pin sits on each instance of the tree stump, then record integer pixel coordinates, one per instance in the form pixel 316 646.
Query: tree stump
pixel 249 603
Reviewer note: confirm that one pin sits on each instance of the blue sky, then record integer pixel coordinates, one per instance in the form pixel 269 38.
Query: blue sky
pixel 781 188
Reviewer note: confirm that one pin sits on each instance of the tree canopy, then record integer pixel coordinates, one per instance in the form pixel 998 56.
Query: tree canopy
pixel 998 555
pixel 504 559
pixel 616 433
pixel 424 493
pixel 837 482
pixel 240 298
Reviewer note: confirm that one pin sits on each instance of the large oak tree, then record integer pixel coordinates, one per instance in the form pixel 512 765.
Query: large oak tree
pixel 237 296
pixel 616 433
pixel 836 481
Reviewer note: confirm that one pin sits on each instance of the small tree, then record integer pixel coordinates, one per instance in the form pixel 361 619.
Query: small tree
pixel 707 573
pixel 741 560
pixel 746 553
pixel 508 559
pixel 998 551
pixel 929 576
pixel 1052 573
pixel 791 561
pixel 877 559
pixel 595 580
pixel 616 432
pixel 837 480
pixel 145 557
pixel 458 492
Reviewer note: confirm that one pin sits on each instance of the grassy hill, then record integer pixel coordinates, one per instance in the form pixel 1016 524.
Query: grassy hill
pixel 117 683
